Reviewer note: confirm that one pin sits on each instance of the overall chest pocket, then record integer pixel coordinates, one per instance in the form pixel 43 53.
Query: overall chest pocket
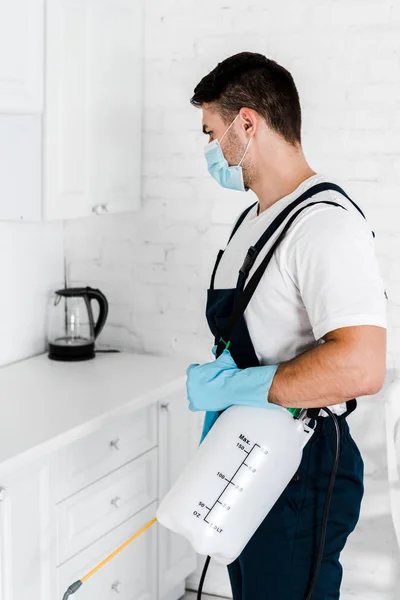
pixel 220 305
pixel 219 309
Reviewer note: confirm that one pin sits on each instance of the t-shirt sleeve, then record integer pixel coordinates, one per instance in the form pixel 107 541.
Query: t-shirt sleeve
pixel 330 257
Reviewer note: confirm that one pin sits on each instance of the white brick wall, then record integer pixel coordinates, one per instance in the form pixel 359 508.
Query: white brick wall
pixel 155 265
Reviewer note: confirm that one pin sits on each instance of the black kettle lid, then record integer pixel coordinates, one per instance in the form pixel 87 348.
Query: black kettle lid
pixel 75 291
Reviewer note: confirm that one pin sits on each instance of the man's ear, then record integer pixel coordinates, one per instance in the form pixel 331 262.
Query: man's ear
pixel 249 120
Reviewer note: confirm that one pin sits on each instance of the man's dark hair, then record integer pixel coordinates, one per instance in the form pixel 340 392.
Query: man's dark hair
pixel 253 81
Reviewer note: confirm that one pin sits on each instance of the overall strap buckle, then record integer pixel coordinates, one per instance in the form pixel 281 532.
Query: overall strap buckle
pixel 249 261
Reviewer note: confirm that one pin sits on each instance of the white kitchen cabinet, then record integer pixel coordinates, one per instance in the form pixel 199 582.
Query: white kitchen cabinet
pixel 21 56
pixel 71 72
pixel 25 535
pixel 86 452
pixel 20 167
pixel 177 560
pixel 93 107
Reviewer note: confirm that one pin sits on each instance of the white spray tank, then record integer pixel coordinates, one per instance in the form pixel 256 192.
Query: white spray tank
pixel 238 473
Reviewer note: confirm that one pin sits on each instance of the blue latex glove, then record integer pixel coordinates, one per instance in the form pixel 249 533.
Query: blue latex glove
pixel 209 421
pixel 210 416
pixel 219 384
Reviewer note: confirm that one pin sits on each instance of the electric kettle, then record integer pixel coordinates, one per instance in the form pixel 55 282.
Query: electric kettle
pixel 72 331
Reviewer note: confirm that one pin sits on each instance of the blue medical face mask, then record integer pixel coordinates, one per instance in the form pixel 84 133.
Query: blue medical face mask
pixel 230 177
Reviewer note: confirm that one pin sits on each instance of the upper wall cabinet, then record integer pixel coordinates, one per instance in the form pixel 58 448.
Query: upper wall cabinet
pixel 93 90
pixel 21 167
pixel 21 55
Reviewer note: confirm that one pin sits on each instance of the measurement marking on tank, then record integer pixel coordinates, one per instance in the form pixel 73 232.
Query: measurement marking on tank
pixel 245 440
pixel 215 527
pixel 239 445
pixel 230 481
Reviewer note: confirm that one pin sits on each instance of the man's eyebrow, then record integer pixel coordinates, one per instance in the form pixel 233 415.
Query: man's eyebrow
pixel 204 130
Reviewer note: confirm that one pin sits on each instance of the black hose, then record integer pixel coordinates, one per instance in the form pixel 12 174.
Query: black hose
pixel 327 506
pixel 203 576
pixel 324 525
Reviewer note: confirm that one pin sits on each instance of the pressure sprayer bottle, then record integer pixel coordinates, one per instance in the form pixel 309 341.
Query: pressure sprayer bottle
pixel 235 478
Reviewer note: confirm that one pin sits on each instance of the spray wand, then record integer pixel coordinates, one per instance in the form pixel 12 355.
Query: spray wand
pixel 74 587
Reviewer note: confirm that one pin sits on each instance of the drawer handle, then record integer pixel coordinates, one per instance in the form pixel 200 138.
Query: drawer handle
pixel 116 501
pixel 2 494
pixel 100 209
pixel 165 406
pixel 116 586
pixel 116 444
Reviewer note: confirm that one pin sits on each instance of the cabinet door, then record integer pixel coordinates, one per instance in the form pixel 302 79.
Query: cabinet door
pixel 93 107
pixel 176 433
pixel 21 167
pixel 25 536
pixel 21 55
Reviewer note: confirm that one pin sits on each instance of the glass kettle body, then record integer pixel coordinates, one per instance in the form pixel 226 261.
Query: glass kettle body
pixel 72 330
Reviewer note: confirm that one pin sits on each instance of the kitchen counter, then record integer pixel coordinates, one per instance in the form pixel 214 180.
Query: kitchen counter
pixel 87 449
pixel 42 406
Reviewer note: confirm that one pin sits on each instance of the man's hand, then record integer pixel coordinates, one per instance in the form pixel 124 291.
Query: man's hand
pixel 219 384
pixel 351 363
pixel 205 383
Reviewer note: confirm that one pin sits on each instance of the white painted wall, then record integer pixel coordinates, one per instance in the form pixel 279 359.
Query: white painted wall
pixel 31 267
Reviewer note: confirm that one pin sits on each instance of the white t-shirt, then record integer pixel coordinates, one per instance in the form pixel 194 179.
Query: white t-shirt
pixel 323 276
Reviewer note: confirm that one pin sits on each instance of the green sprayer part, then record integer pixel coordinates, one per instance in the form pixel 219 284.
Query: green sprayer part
pixel 295 411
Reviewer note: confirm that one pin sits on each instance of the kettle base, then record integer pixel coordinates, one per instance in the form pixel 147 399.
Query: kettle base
pixel 71 353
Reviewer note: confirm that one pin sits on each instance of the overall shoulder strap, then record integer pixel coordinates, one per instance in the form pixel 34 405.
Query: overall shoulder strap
pixel 313 191
pixel 240 220
pixel 221 252
pixel 244 296
pixel 254 251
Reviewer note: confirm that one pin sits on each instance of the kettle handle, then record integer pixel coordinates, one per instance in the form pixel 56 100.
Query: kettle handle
pixel 97 295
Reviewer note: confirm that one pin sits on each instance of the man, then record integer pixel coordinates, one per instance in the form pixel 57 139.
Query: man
pixel 313 332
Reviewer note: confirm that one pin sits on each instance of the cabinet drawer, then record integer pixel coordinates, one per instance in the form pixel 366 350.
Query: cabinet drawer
pixel 98 509
pixel 90 458
pixel 131 575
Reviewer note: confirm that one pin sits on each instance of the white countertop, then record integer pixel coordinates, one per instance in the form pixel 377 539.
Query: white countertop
pixel 45 404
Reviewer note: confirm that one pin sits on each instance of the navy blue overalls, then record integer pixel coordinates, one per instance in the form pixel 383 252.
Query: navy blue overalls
pixel 277 563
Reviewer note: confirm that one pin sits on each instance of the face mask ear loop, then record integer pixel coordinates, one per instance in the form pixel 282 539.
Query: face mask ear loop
pixel 247 147
pixel 229 128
